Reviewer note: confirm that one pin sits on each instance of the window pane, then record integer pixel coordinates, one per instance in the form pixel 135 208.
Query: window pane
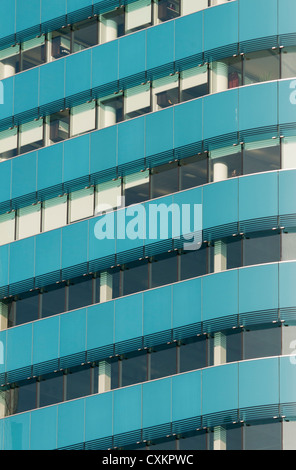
pixel 169 444
pixel 80 293
pixel 7 228
pixel 261 248
pixel 193 355
pixel 111 25
pixel 137 101
pixel 164 270
pixel 165 92
pixel 22 398
pixel 261 66
pixel 138 15
pixel 263 436
pixel 289 62
pixel 108 196
pixel 289 152
pixel 8 143
pixel 289 244
pixel 193 263
pixel 164 179
pixel 263 156
pixel 289 339
pixel 168 9
pixel 78 383
pixel 27 309
pixel 28 221
pixel 9 61
pixel 54 213
pixel 225 163
pixel 289 432
pixel 51 390
pixel 234 437
pixel 31 136
pixel 194 83
pixel 261 342
pixel 134 369
pixel 61 43
pixel 197 441
pixel 83 118
pixel 81 204
pixel 226 74
pixel 193 171
pixel 53 301
pixel 111 110
pixel 114 374
pixel 233 346
pixel 163 362
pixel 135 277
pixel 136 187
pixel 85 34
pixel 59 126
pixel 33 53
pixel 234 252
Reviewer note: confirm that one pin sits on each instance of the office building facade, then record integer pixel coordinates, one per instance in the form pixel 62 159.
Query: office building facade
pixel 126 342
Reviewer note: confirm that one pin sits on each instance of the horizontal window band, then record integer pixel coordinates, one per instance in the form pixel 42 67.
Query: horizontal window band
pixel 148 250
pixel 141 343
pixel 56 23
pixel 248 415
pixel 222 52
pixel 149 162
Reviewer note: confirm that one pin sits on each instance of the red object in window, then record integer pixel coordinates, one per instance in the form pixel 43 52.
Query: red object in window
pixel 233 80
